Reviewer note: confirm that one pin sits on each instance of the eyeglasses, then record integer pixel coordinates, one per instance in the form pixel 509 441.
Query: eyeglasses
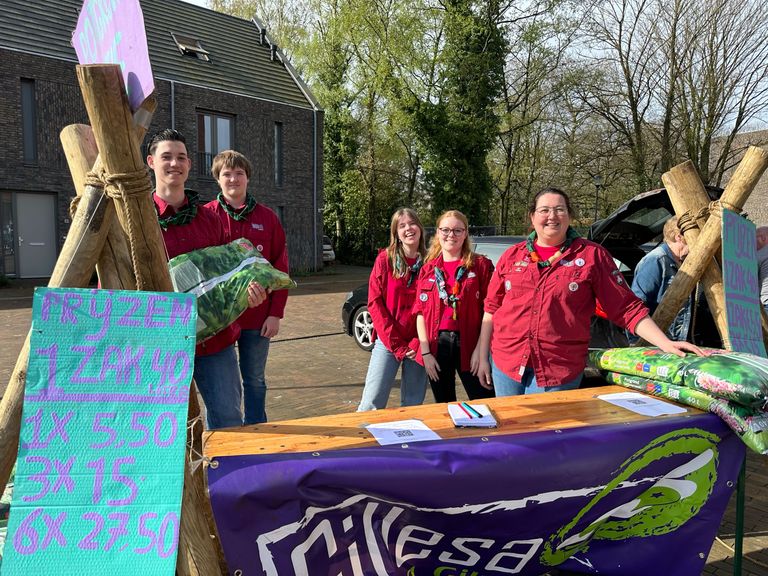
pixel 455 231
pixel 547 210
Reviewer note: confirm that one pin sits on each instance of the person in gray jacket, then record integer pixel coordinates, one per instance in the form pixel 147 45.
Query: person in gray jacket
pixel 654 274
pixel 762 263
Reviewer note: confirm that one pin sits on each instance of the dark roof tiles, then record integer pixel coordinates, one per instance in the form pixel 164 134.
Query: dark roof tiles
pixel 239 63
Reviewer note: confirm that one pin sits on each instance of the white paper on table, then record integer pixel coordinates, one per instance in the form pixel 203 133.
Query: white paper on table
pixel 641 404
pixel 401 432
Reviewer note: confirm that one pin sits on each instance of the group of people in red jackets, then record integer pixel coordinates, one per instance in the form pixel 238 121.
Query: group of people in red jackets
pixel 521 327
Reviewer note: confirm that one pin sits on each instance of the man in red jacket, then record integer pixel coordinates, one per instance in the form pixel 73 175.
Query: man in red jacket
pixel 186 227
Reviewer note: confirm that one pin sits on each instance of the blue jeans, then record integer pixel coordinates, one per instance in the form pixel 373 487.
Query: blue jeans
pixel 218 380
pixel 253 349
pixel 506 386
pixel 382 370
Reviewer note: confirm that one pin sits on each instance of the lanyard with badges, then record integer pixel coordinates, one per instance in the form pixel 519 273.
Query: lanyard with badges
pixel 453 298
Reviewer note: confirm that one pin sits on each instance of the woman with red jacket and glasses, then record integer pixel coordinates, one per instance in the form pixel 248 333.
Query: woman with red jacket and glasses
pixel 449 308
pixel 541 299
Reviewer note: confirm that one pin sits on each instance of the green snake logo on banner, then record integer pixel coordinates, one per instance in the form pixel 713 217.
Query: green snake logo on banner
pixel 662 508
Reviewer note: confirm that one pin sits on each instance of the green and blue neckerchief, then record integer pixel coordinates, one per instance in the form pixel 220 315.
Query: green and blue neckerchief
pixel 183 215
pixel 570 236
pixel 412 270
pixel 239 213
pixel 453 298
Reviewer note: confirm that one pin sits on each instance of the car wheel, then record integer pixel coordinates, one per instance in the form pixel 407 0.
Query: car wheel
pixel 362 328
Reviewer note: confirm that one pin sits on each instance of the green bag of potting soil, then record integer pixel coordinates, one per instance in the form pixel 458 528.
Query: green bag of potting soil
pixel 219 276
pixel 735 376
pixel 750 424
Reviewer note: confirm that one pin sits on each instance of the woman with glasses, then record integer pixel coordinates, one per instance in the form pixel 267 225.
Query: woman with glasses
pixel 391 294
pixel 449 308
pixel 541 299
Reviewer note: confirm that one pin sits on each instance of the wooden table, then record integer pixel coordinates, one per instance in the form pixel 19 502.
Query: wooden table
pixel 515 415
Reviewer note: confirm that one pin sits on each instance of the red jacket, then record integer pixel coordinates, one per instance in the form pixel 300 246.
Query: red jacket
pixel 204 230
pixel 262 227
pixel 541 316
pixel 395 328
pixel 470 307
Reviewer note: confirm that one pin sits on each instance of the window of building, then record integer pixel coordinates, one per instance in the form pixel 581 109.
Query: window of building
pixel 191 47
pixel 278 153
pixel 214 134
pixel 7 236
pixel 29 120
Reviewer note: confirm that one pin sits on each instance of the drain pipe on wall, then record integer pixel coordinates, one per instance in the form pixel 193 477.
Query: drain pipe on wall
pixel 315 209
pixel 173 104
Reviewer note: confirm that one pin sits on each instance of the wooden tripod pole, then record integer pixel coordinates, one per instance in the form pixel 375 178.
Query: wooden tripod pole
pixel 743 181
pixel 114 260
pixel 107 106
pixel 688 195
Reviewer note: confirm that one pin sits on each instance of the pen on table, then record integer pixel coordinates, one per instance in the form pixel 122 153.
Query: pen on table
pixel 461 405
pixel 471 409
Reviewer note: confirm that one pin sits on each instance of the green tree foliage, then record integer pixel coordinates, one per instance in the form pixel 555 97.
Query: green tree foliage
pixel 477 105
pixel 457 131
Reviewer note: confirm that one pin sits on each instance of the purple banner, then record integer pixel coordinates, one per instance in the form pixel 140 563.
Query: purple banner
pixel 112 32
pixel 624 500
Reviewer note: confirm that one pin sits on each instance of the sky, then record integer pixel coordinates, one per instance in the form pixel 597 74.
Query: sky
pixel 198 2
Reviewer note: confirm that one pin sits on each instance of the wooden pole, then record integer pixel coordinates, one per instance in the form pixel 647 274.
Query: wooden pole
pixel 114 260
pixel 111 120
pixel 743 181
pixel 687 194
pixel 107 106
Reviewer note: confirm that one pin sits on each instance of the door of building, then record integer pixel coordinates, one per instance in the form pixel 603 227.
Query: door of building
pixel 36 218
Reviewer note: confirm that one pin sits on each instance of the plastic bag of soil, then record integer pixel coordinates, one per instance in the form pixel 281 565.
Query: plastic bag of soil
pixel 219 276
pixel 735 376
pixel 750 424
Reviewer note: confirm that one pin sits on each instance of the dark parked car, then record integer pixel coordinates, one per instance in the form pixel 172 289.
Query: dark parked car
pixel 632 231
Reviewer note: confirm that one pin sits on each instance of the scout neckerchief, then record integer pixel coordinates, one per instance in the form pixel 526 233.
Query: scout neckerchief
pixel 570 236
pixel 451 299
pixel 413 269
pixel 240 213
pixel 183 215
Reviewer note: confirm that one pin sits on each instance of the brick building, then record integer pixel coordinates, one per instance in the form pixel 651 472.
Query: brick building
pixel 219 80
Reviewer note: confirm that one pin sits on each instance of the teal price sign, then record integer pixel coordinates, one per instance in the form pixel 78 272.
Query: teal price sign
pixel 742 292
pixel 100 465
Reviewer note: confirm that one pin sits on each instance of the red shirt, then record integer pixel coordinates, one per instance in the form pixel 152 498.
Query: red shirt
pixel 262 227
pixel 204 230
pixel 541 316
pixel 470 307
pixel 390 303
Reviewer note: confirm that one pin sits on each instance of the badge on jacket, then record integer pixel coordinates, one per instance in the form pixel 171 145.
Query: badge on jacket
pixel 256 226
pixel 423 297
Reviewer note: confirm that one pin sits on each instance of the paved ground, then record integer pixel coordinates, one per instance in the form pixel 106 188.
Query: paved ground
pixel 314 369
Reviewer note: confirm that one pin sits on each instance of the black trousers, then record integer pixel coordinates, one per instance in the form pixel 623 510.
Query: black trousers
pixel 449 359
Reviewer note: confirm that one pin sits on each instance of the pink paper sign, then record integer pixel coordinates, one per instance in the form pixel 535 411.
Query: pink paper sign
pixel 112 32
